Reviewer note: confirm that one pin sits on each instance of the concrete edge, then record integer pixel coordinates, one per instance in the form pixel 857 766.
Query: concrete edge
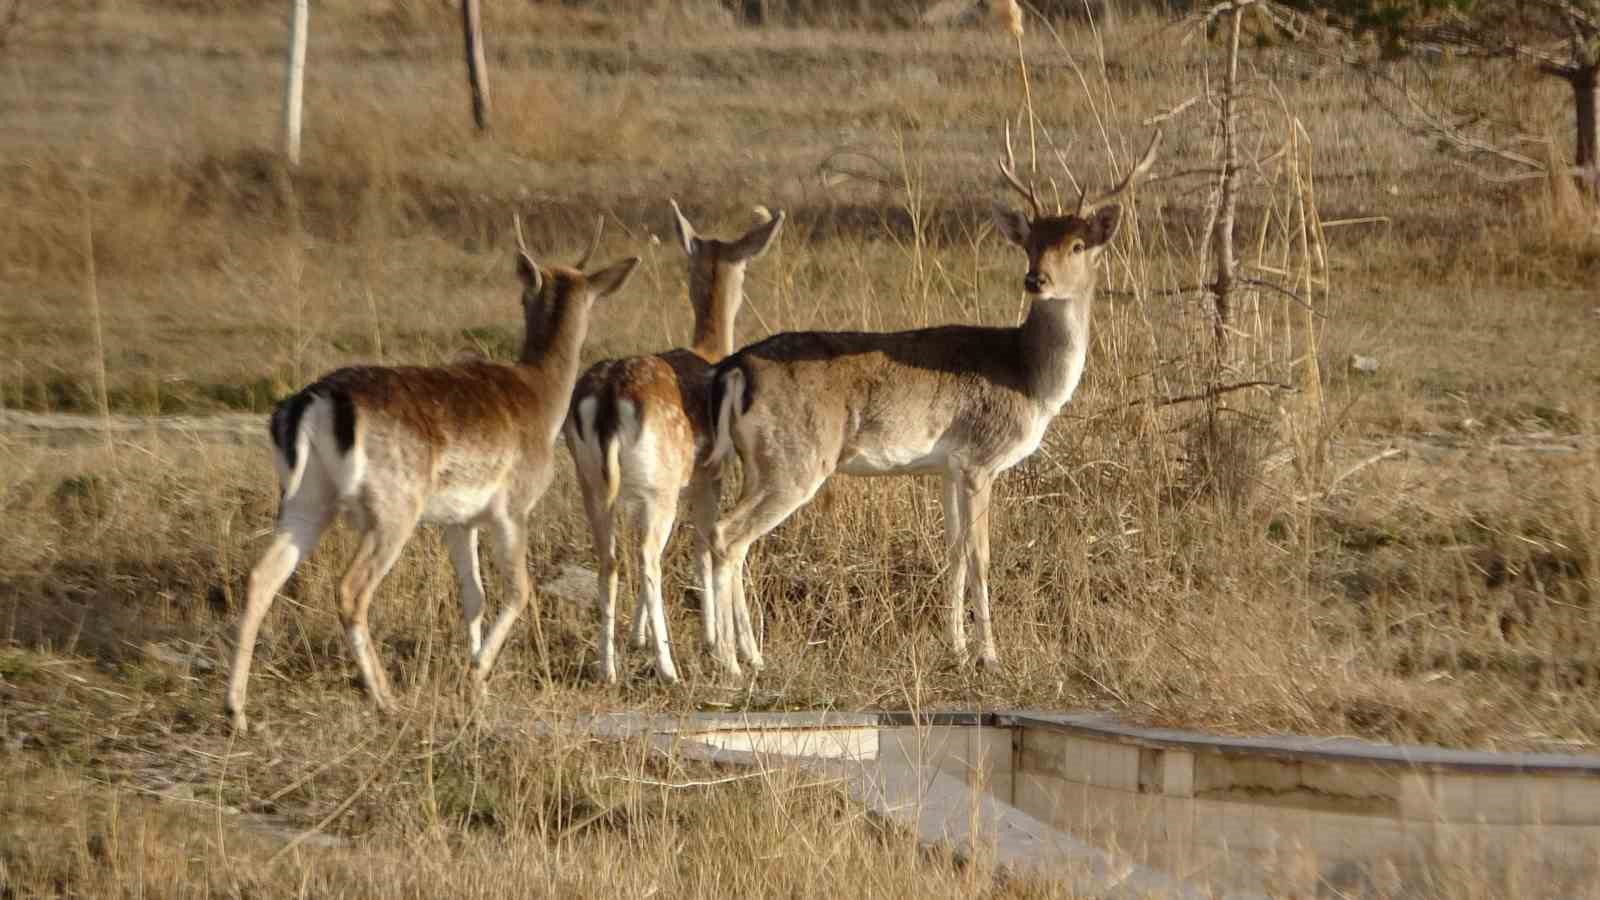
pixel 1105 726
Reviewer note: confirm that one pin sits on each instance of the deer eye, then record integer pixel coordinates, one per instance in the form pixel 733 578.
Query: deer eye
pixel 1076 246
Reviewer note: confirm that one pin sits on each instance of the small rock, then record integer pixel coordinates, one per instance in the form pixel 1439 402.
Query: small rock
pixel 576 584
pixel 1365 365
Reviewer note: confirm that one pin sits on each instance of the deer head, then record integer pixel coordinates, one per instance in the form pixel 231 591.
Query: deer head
pixel 555 298
pixel 1063 249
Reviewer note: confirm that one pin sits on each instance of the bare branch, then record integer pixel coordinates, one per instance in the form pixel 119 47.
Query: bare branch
pixel 1432 124
pixel 1232 6
pixel 1262 283
pixel 1156 292
pixel 1212 392
pixel 1160 117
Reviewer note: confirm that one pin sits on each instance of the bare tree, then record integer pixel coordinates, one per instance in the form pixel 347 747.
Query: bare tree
pixel 1559 38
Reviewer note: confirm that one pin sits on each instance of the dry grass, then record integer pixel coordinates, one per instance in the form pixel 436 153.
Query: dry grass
pixel 1192 564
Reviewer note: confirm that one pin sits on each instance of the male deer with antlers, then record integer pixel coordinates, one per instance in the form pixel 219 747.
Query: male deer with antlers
pixel 465 446
pixel 639 432
pixel 964 401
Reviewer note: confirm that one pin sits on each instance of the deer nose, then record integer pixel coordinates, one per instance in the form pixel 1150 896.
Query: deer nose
pixel 1031 282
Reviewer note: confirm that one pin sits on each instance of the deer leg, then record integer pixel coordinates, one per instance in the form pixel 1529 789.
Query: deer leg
pixel 705 492
pixel 979 494
pixel 388 529
pixel 511 547
pixel 956 528
pixel 757 512
pixel 299 527
pixel 604 533
pixel 654 527
pixel 462 541
pixel 639 629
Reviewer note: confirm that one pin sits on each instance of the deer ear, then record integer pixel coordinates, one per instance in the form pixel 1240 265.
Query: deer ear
pixel 1012 225
pixel 609 280
pixel 687 239
pixel 756 241
pixel 1103 224
pixel 528 271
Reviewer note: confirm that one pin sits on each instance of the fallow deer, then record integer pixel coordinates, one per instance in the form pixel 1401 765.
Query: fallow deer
pixel 963 401
pixel 639 432
pixel 466 446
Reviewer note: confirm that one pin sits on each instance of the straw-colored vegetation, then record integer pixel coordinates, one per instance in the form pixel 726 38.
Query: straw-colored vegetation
pixel 1202 564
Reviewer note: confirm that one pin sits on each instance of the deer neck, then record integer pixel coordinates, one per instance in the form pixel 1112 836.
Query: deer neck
pixel 551 351
pixel 1055 344
pixel 716 304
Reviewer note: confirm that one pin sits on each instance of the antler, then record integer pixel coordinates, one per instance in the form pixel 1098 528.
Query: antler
pixel 516 221
pixel 1008 168
pixel 594 242
pixel 1145 162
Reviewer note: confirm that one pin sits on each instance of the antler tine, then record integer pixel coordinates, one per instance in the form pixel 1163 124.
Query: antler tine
pixel 516 221
pixel 1008 168
pixel 1145 162
pixel 594 241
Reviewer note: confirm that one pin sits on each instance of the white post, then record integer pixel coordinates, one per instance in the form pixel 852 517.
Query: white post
pixel 294 91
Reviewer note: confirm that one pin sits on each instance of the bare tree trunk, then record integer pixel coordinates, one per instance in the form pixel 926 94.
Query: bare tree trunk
pixel 1585 87
pixel 477 66
pixel 294 90
pixel 1222 238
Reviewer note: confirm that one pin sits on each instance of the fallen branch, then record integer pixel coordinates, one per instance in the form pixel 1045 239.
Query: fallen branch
pixel 1214 391
pixel 1334 484
pixel 681 785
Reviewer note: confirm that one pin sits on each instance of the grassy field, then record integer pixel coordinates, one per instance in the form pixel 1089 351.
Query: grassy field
pixel 1222 565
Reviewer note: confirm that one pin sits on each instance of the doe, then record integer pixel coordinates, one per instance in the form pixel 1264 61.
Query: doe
pixel 639 432
pixel 466 446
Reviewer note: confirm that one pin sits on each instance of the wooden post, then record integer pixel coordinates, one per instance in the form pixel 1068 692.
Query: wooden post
pixel 1222 238
pixel 1585 83
pixel 477 67
pixel 294 91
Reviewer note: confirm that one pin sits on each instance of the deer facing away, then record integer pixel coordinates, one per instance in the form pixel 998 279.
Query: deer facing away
pixel 639 434
pixel 962 401
pixel 467 446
